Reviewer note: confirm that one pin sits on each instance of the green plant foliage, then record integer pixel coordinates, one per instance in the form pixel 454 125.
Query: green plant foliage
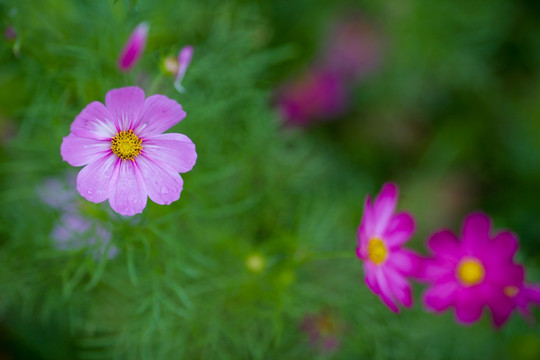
pixel 264 233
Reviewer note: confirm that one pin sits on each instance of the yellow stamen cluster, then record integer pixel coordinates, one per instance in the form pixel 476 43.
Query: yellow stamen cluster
pixel 126 145
pixel 510 291
pixel 470 271
pixel 377 251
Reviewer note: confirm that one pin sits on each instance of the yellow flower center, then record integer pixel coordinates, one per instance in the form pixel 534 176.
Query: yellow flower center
pixel 511 291
pixel 470 272
pixel 377 251
pixel 126 145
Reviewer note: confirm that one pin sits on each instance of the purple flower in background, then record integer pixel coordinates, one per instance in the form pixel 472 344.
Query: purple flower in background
pixel 474 272
pixel 134 47
pixel 126 157
pixel 319 94
pixel 10 33
pixel 184 59
pixel 74 230
pixel 59 194
pixel 353 48
pixel 380 237
pixel 323 331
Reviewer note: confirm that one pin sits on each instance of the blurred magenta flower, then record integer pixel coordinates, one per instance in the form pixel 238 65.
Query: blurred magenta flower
pixel 184 59
pixel 353 48
pixel 323 330
pixel 134 47
pixel 524 297
pixel 380 237
pixel 126 157
pixel 319 94
pixel 10 33
pixel 475 272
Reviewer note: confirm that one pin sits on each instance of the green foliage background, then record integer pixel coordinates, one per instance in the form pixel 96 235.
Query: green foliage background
pixel 452 116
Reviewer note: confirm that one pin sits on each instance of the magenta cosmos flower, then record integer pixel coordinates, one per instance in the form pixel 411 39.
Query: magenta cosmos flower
pixel 475 272
pixel 380 237
pixel 319 94
pixel 124 153
pixel 524 297
pixel 134 47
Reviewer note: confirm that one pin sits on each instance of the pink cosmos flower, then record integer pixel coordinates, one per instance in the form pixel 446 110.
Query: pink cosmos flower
pixel 380 237
pixel 353 48
pixel 134 47
pixel 317 95
pixel 324 332
pixel 184 59
pixel 124 153
pixel 472 273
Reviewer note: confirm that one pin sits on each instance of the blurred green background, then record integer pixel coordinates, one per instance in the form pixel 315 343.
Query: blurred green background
pixel 256 260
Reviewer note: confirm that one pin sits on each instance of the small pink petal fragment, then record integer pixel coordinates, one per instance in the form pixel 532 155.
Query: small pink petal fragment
pixel 134 47
pixel 184 59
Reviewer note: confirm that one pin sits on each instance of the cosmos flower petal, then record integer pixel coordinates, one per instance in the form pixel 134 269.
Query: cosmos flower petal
pixel 184 59
pixel 162 182
pixel 501 306
pixel 93 181
pixel 531 293
pixel 445 245
pixel 386 292
pixel 401 289
pixel 441 296
pixel 504 246
pixel 505 274
pixel 134 47
pixel 176 150
pixel 407 263
pixel 125 105
pixel 158 114
pixel 94 122
pixel 528 295
pixel 468 306
pixel 385 205
pixel 476 232
pixel 436 271
pixel 368 220
pixel 128 193
pixel 78 151
pixel 371 279
pixel 400 229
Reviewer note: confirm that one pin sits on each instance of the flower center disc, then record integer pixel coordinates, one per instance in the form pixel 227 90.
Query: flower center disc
pixel 126 145
pixel 511 291
pixel 377 251
pixel 470 272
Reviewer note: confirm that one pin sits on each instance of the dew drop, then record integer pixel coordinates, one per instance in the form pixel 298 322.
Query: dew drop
pixel 164 190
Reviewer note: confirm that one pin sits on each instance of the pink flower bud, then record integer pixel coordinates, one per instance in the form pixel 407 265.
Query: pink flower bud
pixel 134 47
pixel 184 58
